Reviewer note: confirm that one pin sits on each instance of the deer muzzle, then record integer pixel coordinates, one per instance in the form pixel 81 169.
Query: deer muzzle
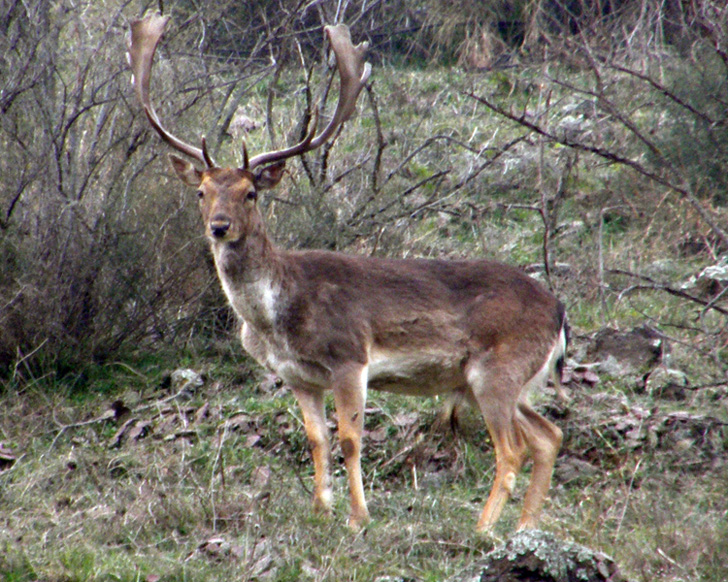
pixel 219 226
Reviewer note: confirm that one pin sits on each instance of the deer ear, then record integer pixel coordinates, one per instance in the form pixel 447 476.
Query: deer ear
pixel 269 176
pixel 186 171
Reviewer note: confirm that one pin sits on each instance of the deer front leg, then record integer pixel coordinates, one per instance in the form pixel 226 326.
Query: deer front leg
pixel 314 420
pixel 350 388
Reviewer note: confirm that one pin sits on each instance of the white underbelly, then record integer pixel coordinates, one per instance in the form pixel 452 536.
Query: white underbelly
pixel 413 372
pixel 418 373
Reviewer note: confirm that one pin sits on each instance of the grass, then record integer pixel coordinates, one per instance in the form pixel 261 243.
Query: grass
pixel 224 493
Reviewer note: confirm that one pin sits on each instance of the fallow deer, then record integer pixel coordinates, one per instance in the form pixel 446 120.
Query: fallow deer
pixel 320 320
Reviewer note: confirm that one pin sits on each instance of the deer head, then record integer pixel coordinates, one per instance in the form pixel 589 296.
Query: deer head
pixel 228 196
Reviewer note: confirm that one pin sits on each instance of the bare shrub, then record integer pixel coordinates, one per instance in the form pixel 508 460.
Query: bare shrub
pixel 92 259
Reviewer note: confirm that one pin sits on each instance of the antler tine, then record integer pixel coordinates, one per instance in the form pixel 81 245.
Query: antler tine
pixel 353 72
pixel 145 35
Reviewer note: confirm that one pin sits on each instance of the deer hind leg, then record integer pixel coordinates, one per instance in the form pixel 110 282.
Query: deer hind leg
pixel 350 387
pixel 496 395
pixel 544 441
pixel 314 420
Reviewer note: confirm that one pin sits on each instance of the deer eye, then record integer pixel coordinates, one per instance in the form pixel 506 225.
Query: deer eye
pixel 252 195
pixel 200 194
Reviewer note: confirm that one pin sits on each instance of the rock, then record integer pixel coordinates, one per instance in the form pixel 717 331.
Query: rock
pixel 711 281
pixel 633 352
pixel 668 384
pixel 572 471
pixel 537 556
pixel 185 382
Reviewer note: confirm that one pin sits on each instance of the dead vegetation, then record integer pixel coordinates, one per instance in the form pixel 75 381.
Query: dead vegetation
pixel 212 477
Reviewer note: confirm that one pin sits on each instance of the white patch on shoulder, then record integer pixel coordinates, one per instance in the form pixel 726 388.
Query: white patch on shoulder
pixel 268 296
pixel 252 301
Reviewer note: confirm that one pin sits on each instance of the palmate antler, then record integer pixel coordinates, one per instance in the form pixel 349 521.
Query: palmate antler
pixel 145 35
pixel 353 72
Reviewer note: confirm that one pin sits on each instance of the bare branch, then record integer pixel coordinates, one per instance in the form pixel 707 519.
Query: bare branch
pixel 612 156
pixel 655 286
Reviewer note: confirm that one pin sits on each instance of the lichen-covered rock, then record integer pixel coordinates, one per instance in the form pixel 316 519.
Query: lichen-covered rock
pixel 536 556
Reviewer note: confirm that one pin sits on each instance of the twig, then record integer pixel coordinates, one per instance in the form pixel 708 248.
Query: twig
pixel 381 142
pixel 218 460
pixel 655 286
pixel 111 414
pixel 712 302
pixel 629 494
pixel 602 284
pixel 130 369
pixel 24 358
pixel 108 415
pixel 723 384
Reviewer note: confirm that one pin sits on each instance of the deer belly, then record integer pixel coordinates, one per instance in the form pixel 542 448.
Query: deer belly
pixel 416 373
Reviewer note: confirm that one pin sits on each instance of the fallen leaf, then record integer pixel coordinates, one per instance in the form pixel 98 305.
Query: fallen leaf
pixel 115 441
pixel 252 440
pixel 186 434
pixel 168 425
pixel 405 419
pixel 240 421
pixel 378 435
pixel 139 430
pixel 260 477
pixel 214 547
pixel 581 374
pixel 202 413
pixel 270 383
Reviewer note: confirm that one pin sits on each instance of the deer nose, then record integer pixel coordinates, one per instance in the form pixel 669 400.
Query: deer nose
pixel 219 225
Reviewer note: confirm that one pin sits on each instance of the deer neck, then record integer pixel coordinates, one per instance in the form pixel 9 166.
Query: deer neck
pixel 250 270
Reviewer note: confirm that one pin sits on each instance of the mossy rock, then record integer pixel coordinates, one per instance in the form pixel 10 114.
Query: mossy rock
pixel 536 556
